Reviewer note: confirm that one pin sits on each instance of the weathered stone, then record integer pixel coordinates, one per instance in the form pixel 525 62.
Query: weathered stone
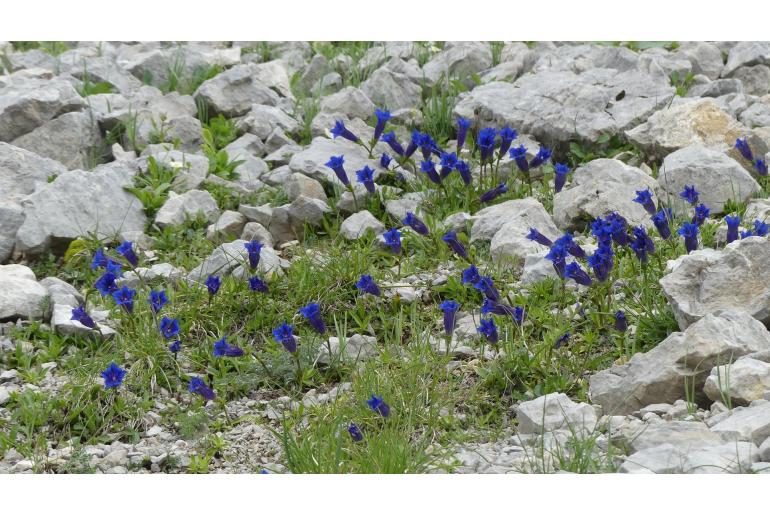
pixel 747 424
pixel 21 169
pixel 178 208
pixel 744 381
pixel 256 231
pixel 598 188
pixel 693 122
pixel 62 323
pixel 520 213
pixel 191 169
pixel 27 103
pixel 350 101
pixel 458 60
pixel 72 139
pixel 355 348
pixel 716 88
pixel 261 120
pixel 682 435
pixel 357 224
pixel 706 280
pixel 229 225
pixel 557 107
pixel 230 257
pixel 301 185
pixel 76 204
pixel 391 90
pixel 410 202
pixel 11 218
pixel 659 375
pixel 234 91
pixel 308 210
pixel 312 160
pixel 755 79
pixel 746 53
pixel 667 459
pixel 717 177
pixel 61 292
pixel 705 58
pixel 511 242
pixel 553 412
pixel 21 296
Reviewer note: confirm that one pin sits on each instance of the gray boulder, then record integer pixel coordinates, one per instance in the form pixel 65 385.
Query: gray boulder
pixel 352 349
pixel 705 58
pixel 742 382
pixel 520 213
pixel 262 120
pixel 357 224
pixel 230 258
pixel 349 101
pixel 11 218
pixel 668 459
pixel 72 139
pixel 21 296
pixel 233 92
pixel 308 210
pixel 229 225
pixel 458 60
pixel 598 188
pixel 312 160
pixel 553 412
pixel 21 169
pixel 660 374
pixel 392 91
pixel 750 424
pixel 301 185
pixel 755 79
pixel 78 204
pixel 178 208
pixel 746 53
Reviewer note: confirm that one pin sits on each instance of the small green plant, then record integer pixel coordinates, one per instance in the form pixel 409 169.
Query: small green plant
pixel 151 187
pixel 682 84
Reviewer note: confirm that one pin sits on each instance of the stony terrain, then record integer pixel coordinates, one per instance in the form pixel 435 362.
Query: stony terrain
pixel 578 283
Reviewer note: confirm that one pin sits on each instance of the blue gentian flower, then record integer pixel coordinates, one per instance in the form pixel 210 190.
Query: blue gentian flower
pixel 568 242
pixel 601 262
pixel 377 405
pixel 450 238
pixel 284 334
pixel 518 315
pixel 106 284
pixel 355 433
pixel 312 313
pixel 462 131
pixel 382 118
pixel 79 314
pixel 701 214
pixel 743 147
pixel 113 376
pixel 558 256
pixel 487 287
pixel 660 220
pixel 448 163
pixel 519 155
pixel 561 341
pixel 392 239
pixel 644 197
pixel 465 172
pixel 746 234
pixel 690 194
pixel 199 387
pixel 114 268
pixel 761 167
pixel 539 237
pixel 339 129
pixel 175 346
pixel 125 297
pixel 488 329
pixel 253 248
pixel 126 249
pixel 366 177
pixel 157 300
pixel 492 194
pixel 621 322
pixel 429 168
pixel 542 156
pixel 212 284
pixel 427 145
pixel 689 231
pixel 449 307
pixel 415 223
pixel 99 259
pixel 761 228
pixel 385 160
pixel 619 229
pixel 575 272
pixel 602 231
pixel 507 135
pixel 500 308
pixel 392 141
pixel 733 222
pixel 169 327
pixel 224 349
pixel 336 164
pixel 257 284
pixel 560 177
pixel 471 275
pixel 486 142
pixel 414 143
pixel 642 244
pixel 367 285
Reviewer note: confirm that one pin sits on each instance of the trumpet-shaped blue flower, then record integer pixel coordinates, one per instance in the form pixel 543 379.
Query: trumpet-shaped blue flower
pixel 169 327
pixel 385 160
pixel 733 223
pixel 507 135
pixel 761 166
pixel 621 322
pixel 80 314
pixel 355 433
pixel 642 244
pixel 488 329
pixel 743 147
pixel 561 341
pixel 644 197
pixel 429 168
pixel 224 349
pixel 339 129
pixel 601 262
pixel 312 313
pixel 660 220
pixel 449 307
pixel 336 163
pixel 126 249
pixel 427 145
pixel 487 287
pixel 415 223
pixel 561 171
pixel 471 275
pixel 175 346
pixel 212 284
pixel 253 249
pixel 392 239
pixel 569 243
pixel 448 163
pixel 539 237
pixel 701 214
pixel 157 300
pixel 486 142
pixel 367 285
pixel 462 131
pixel 113 376
pixel 392 141
pixel 490 195
pixel 125 297
pixel 284 334
pixel 414 143
pixel 465 172
pixel 366 177
pixel 99 259
pixel 382 118
pixel 257 284
pixel 575 272
pixel 690 194
pixel 761 228
pixel 542 157
pixel 450 238
pixel 558 256
pixel 519 155
pixel 199 387
pixel 106 284
pixel 689 231
pixel 377 405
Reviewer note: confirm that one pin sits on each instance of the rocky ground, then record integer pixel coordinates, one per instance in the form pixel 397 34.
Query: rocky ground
pixel 657 359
